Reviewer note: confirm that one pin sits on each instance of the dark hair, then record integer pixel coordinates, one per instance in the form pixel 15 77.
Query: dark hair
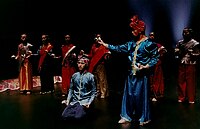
pixel 188 29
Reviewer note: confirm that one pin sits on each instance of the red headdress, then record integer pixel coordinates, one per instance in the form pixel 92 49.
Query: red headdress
pixel 137 24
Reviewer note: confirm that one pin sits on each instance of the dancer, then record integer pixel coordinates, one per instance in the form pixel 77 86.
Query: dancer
pixel 187 52
pixel 45 66
pixel 68 63
pixel 82 92
pixel 25 66
pixel 99 55
pixel 142 56
pixel 157 78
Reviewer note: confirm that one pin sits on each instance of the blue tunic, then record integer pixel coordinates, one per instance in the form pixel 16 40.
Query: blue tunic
pixel 135 100
pixel 82 88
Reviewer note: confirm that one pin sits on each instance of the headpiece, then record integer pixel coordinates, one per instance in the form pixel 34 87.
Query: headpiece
pixel 84 59
pixel 137 24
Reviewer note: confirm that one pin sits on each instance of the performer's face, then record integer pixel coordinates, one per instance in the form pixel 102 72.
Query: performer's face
pixel 135 32
pixel 23 37
pixel 187 35
pixel 67 37
pixel 81 65
pixel 44 38
pixel 151 36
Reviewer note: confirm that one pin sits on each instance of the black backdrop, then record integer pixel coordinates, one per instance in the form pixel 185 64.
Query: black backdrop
pixel 81 19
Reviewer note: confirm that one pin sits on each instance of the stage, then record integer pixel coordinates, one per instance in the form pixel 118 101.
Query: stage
pixel 35 111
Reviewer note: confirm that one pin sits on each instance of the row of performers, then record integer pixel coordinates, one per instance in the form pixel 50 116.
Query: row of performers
pixel 68 58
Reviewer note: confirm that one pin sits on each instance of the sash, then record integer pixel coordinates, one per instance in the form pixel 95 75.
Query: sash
pixel 67 53
pixel 97 56
pixel 43 53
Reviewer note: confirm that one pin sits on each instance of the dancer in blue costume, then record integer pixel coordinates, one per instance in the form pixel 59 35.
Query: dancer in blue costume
pixel 82 92
pixel 142 56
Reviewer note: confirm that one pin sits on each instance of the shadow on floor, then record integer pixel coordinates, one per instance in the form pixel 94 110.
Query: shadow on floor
pixel 35 111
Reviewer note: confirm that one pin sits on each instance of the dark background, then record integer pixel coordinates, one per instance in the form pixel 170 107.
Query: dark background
pixel 83 18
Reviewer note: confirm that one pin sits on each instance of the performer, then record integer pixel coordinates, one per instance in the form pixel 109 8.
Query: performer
pixel 68 63
pixel 82 92
pixel 142 56
pixel 45 65
pixel 25 66
pixel 157 78
pixel 187 52
pixel 99 54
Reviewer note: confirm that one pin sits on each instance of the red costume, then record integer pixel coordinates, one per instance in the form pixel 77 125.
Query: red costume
pixel 43 52
pixel 67 66
pixel 157 79
pixel 45 68
pixel 25 68
pixel 97 53
pixel 96 66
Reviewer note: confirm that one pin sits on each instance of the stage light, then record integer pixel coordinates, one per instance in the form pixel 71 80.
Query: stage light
pixel 144 10
pixel 179 13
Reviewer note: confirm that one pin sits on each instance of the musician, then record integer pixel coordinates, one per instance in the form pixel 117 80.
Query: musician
pixel 68 63
pixel 25 66
pixel 45 66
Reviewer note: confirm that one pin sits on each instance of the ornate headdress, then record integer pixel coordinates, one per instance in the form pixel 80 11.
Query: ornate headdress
pixel 84 59
pixel 137 24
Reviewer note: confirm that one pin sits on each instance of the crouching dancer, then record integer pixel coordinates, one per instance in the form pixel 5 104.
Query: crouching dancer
pixel 82 92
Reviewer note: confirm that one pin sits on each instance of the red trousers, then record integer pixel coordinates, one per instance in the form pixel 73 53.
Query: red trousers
pixel 66 77
pixel 157 81
pixel 187 82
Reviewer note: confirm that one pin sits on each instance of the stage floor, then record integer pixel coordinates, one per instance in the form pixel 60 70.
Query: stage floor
pixel 35 111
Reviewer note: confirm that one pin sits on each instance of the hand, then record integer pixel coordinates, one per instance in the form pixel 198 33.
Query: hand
pixel 58 57
pixel 39 69
pixel 190 51
pixel 81 52
pixel 13 56
pixel 87 105
pixel 29 45
pixel 16 57
pixel 100 41
pixel 107 56
pixel 29 52
pixel 143 66
pixel 66 102
pixel 177 49
pixel 53 55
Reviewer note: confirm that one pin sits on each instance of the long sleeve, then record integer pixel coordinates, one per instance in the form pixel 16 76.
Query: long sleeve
pixel 147 53
pixel 124 48
pixel 187 52
pixel 82 88
pixel 153 55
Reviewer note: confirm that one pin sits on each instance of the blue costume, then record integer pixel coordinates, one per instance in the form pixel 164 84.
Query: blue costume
pixel 82 88
pixel 135 102
pixel 82 92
